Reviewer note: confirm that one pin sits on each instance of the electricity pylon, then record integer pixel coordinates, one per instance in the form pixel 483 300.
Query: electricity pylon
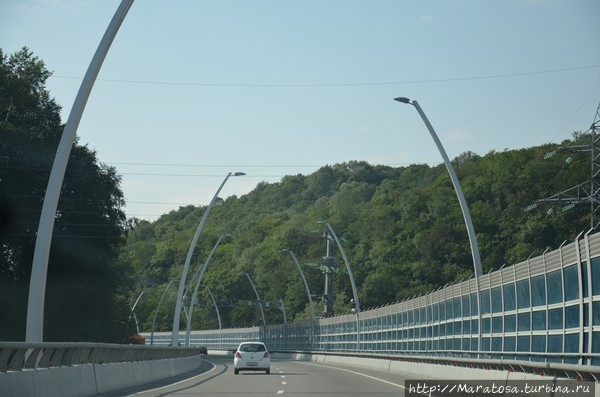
pixel 587 192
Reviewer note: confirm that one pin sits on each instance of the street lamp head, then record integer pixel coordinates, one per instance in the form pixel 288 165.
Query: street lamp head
pixel 285 250
pixel 322 222
pixel 402 99
pixel 239 173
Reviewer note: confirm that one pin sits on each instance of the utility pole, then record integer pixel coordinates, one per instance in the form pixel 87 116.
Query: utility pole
pixel 329 266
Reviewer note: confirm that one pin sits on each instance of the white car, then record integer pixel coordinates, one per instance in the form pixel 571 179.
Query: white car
pixel 252 356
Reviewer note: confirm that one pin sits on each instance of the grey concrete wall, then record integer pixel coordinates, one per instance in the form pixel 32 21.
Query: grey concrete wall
pixel 91 379
pixel 66 381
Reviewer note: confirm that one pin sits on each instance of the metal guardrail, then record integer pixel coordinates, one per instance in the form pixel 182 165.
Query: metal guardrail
pixel 543 310
pixel 17 356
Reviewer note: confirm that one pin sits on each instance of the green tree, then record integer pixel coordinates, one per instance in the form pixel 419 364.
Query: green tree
pixel 402 230
pixel 85 290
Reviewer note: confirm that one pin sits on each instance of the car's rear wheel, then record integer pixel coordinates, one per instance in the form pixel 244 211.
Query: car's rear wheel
pixel 236 371
pixel 268 371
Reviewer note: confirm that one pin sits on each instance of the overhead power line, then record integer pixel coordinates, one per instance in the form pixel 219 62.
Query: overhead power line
pixel 375 83
pixel 216 165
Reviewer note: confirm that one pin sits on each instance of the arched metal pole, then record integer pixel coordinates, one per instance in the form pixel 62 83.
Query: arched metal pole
pixel 133 308
pixel 310 301
pixel 39 271
pixel 282 308
pixel 262 312
pixel 354 291
pixel 192 301
pixel 156 313
pixel 202 268
pixel 218 316
pixel 463 204
pixel 188 259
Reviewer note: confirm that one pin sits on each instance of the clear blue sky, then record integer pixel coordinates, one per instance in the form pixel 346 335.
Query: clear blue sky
pixel 193 89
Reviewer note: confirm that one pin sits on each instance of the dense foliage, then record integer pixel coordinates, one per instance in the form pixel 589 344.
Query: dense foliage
pixel 85 291
pixel 401 228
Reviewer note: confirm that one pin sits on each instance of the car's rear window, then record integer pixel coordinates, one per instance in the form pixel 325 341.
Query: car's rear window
pixel 252 347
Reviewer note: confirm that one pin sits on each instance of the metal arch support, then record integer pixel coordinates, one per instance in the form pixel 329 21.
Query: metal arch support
pixel 262 312
pixel 188 259
pixel 39 271
pixel 309 295
pixel 353 284
pixel 156 313
pixel 477 266
pixel 197 287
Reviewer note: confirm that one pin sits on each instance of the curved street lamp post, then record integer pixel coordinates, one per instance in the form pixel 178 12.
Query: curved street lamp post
pixel 310 301
pixel 132 313
pixel 34 331
pixel 192 301
pixel 156 313
pixel 218 316
pixel 262 312
pixel 461 199
pixel 349 270
pixel 188 259
pixel 282 308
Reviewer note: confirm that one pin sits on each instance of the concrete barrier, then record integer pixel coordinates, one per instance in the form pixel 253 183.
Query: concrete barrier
pixel 91 379
pixel 49 382
pixel 118 376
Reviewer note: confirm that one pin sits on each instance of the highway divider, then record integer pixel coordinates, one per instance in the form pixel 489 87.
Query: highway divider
pixel 87 369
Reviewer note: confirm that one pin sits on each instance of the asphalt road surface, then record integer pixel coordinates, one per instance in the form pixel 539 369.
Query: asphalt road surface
pixel 287 378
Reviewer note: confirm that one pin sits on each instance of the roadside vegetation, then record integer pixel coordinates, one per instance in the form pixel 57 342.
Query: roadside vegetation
pixel 401 228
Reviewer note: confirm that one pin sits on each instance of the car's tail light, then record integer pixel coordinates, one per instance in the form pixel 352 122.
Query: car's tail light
pixel 238 354
pixel 266 355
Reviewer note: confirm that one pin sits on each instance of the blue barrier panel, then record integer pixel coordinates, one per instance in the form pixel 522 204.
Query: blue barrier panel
pixel 545 309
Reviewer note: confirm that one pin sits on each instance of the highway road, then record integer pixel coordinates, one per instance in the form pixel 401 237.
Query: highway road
pixel 287 378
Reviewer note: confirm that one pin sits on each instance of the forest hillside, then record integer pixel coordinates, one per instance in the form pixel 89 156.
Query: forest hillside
pixel 401 228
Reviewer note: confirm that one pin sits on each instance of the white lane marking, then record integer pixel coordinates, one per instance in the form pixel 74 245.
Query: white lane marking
pixel 280 391
pixel 357 373
pixel 284 383
pixel 181 381
pixel 282 376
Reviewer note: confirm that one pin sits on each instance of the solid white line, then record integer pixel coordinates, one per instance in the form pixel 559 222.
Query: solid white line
pixel 356 373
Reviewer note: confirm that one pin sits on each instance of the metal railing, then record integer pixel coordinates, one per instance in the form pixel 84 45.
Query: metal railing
pixel 542 314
